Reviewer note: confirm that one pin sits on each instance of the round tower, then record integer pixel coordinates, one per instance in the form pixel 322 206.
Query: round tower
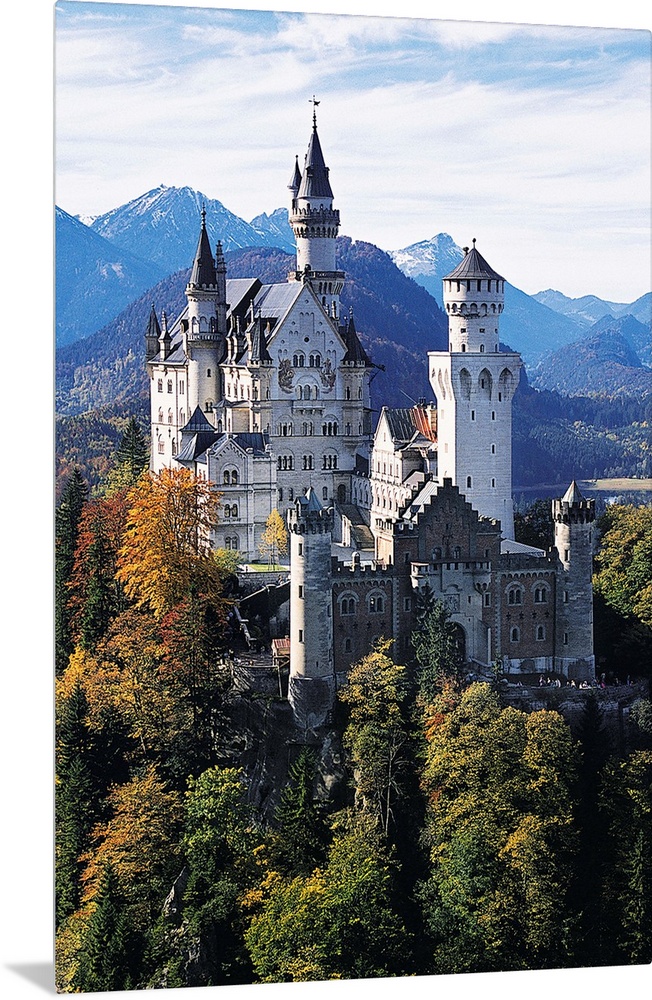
pixel 316 224
pixel 474 383
pixel 574 523
pixel 311 689
pixel 204 327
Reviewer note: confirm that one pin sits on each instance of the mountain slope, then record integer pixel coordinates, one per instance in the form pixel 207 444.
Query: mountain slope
pixel 275 230
pixel 94 278
pixel 527 325
pixel 603 363
pixel 589 309
pixel 163 224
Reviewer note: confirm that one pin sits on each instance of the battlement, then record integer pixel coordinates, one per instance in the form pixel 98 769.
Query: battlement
pixel 578 512
pixel 356 570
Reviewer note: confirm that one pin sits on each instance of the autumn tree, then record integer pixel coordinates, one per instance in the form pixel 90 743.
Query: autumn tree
pixel 377 734
pixel 166 549
pixel 623 588
pixel 274 539
pixel 337 922
pixel 67 518
pixel 501 835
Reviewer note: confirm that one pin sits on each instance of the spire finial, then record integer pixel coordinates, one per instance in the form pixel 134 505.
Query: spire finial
pixel 473 242
pixel 314 103
pixel 203 214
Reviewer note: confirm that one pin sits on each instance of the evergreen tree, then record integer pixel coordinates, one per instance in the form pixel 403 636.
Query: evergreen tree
pixel 130 460
pixel 298 844
pixel 110 949
pixel 76 803
pixel 435 645
pixel 67 518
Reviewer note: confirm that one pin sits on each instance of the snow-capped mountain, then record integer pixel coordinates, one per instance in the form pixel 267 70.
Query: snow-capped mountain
pixel 162 226
pixel 276 227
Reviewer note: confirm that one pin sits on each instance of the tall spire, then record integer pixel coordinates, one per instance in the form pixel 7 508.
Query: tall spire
pixel 315 182
pixel 203 269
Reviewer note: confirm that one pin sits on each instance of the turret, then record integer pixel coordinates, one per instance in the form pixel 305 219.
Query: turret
pixel 205 326
pixel 152 334
pixel 574 523
pixel 164 340
pixel 316 224
pixel 474 383
pixel 312 679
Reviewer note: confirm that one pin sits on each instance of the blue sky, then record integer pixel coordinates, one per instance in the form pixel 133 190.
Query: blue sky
pixel 533 139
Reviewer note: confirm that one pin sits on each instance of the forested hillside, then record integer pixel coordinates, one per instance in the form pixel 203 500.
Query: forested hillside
pixel 388 844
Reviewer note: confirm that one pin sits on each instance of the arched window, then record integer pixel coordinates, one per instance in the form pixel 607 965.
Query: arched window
pixel 298 360
pixel 307 462
pixel 174 447
pixel 347 605
pixel 469 482
pixel 515 595
pixel 347 646
pixel 160 415
pixel 541 632
pixel 515 634
pixel 234 510
pixel 161 446
pixel 315 361
pixel 227 477
pixel 324 493
pixel 170 416
pixel 541 595
pixel 376 604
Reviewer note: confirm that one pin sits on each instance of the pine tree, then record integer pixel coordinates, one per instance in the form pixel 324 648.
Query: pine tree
pixel 130 460
pixel 108 954
pixel 67 520
pixel 435 646
pixel 300 840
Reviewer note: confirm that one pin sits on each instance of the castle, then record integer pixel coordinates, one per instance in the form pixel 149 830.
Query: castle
pixel 263 390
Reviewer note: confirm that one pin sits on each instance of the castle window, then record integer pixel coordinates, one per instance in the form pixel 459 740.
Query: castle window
pixel 182 387
pixel 493 483
pixel 169 416
pixel 279 493
pixel 174 447
pixel 493 414
pixel 514 634
pixel 566 555
pixel 541 632
pixel 160 415
pixel 487 600
pixel 300 635
pixel 540 595
pixel 347 605
pixel 284 463
pixel 314 361
pixel 307 462
pixel 324 493
pixel 161 446
pixel 500 397
pixel 169 385
pixel 300 590
pixel 300 549
pixel 347 646
pixel 160 385
pixel 227 478
pixel 407 604
pixel 348 392
pixel 481 348
pixel 565 638
pixel 493 449
pixel 347 430
pixel 565 597
pixel 515 595
pixel 469 482
pixel 376 604
pixel 182 417
pixel 291 494
pixel 463 348
pixel 298 360
pixel 234 510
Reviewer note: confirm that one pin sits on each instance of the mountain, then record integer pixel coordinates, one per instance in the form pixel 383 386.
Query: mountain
pixel 162 226
pixel 603 363
pixel 397 322
pixel 529 326
pixel 94 278
pixel 588 309
pixel 275 230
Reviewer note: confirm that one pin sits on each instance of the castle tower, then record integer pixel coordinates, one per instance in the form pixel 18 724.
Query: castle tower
pixel 316 224
pixel 312 680
pixel 204 329
pixel 574 519
pixel 474 383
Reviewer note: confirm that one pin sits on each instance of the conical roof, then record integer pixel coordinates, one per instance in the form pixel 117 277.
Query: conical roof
pixel 572 494
pixel 153 328
pixel 315 182
pixel 355 352
pixel 473 266
pixel 295 180
pixel 198 422
pixel 310 501
pixel 203 268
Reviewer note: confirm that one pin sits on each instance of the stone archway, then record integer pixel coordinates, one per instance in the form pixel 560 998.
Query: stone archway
pixel 459 637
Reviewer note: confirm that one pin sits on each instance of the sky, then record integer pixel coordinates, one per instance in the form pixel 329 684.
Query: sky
pixel 534 139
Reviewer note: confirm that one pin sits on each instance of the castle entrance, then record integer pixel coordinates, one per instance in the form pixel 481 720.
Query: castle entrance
pixel 459 637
